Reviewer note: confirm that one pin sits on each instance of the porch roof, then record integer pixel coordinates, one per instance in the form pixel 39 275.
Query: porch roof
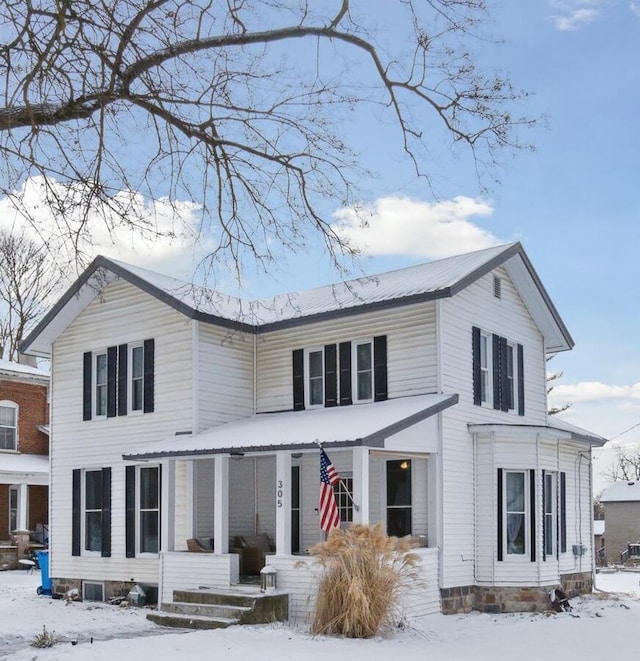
pixel 24 468
pixel 340 426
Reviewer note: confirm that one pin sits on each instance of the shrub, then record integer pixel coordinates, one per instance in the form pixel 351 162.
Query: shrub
pixel 363 574
pixel 44 639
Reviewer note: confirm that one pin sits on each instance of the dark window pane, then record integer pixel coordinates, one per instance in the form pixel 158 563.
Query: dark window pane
pixel 399 521
pixel 93 531
pixel 93 492
pixel 148 488
pixel 399 482
pixel 315 363
pixel 515 492
pixel 364 386
pixel 149 532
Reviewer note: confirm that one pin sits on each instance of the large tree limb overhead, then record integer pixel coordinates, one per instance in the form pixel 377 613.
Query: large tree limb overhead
pixel 238 106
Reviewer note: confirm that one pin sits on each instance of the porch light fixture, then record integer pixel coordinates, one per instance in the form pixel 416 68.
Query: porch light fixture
pixel 404 465
pixel 236 456
pixel 267 579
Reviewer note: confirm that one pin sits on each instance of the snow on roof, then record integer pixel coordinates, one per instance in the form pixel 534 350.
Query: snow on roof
pixel 578 432
pixel 364 424
pixel 25 464
pixel 598 527
pixel 9 368
pixel 622 491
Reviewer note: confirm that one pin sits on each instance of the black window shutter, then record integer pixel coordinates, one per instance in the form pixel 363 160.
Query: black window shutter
pixel 497 372
pixel 500 516
pixel 112 365
pixel 298 380
pixel 106 512
pixel 130 511
pixel 563 512
pixel 544 518
pixel 477 375
pixel 520 380
pixel 87 388
pixel 122 379
pixel 149 385
pixel 344 350
pixel 330 375
pixel 76 477
pixel 380 368
pixel 532 512
pixel 504 377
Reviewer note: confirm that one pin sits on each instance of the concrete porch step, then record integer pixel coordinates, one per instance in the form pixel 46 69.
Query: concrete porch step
pixel 213 609
pixel 182 621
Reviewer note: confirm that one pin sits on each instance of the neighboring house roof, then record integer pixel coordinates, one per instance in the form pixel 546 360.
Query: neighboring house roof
pixel 11 370
pixel 438 279
pixel 598 527
pixel 623 491
pixel 32 468
pixel 556 426
pixel 343 426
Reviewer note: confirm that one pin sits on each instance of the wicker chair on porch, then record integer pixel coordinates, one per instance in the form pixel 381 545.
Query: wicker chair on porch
pixel 199 546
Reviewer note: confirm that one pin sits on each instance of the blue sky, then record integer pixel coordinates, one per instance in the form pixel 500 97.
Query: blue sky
pixel 573 202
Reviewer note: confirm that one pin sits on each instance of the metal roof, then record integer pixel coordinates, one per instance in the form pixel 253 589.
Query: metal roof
pixel 437 279
pixel 340 426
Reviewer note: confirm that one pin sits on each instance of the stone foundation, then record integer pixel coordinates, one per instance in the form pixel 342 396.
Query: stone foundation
pixel 529 599
pixel 60 586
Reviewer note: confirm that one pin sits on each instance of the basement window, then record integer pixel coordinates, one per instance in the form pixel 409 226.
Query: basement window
pixel 92 591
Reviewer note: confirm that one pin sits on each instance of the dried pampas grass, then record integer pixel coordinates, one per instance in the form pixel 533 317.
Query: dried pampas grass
pixel 363 574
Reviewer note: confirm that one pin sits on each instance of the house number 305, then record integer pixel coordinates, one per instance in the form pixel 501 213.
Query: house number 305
pixel 279 493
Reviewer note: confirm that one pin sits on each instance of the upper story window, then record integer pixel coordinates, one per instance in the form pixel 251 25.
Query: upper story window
pixel 118 380
pixel 136 360
pixel 8 425
pixel 340 374
pixel 315 377
pixel 498 372
pixel 363 371
pixel 100 387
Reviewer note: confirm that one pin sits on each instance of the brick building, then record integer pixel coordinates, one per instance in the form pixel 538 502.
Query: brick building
pixel 24 449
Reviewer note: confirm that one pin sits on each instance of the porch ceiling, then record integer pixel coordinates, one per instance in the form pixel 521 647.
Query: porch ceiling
pixel 341 426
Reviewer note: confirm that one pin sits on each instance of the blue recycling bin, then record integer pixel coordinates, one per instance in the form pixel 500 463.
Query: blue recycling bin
pixel 43 561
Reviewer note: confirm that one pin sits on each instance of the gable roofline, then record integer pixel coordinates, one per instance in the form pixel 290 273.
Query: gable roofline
pixel 388 290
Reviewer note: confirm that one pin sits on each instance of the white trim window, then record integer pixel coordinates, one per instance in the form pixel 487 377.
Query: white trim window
pixel 549 492
pixel 92 508
pixel 363 371
pixel 485 372
pixel 8 425
pixel 314 372
pixel 148 507
pixel 13 507
pixel 136 390
pixel 100 384
pixel 343 491
pixel 516 514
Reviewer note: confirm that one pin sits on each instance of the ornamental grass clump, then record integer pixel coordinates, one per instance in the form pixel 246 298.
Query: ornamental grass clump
pixel 363 573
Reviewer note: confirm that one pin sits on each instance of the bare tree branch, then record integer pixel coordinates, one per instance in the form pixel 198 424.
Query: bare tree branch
pixel 238 106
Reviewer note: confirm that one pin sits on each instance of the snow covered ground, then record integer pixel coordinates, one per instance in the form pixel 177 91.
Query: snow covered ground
pixel 601 626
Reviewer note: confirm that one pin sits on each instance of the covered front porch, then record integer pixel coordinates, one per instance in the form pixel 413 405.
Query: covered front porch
pixel 248 492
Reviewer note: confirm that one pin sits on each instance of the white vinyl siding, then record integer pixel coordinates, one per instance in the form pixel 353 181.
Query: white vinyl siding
pixel 507 317
pixel 411 351
pixel 122 314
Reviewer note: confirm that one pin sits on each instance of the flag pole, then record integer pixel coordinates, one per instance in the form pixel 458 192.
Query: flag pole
pixel 356 507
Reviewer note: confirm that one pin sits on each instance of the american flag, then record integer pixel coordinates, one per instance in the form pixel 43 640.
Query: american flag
pixel 329 515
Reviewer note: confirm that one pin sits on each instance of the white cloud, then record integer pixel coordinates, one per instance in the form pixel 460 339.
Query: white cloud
pixel 589 391
pixel 575 19
pixel 156 234
pixel 635 8
pixel 404 226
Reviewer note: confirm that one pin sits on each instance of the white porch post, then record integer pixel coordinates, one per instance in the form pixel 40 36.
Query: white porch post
pixel 361 485
pixel 23 507
pixel 168 513
pixel 221 504
pixel 283 503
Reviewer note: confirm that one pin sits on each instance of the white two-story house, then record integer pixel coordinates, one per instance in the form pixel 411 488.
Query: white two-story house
pixel 180 413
